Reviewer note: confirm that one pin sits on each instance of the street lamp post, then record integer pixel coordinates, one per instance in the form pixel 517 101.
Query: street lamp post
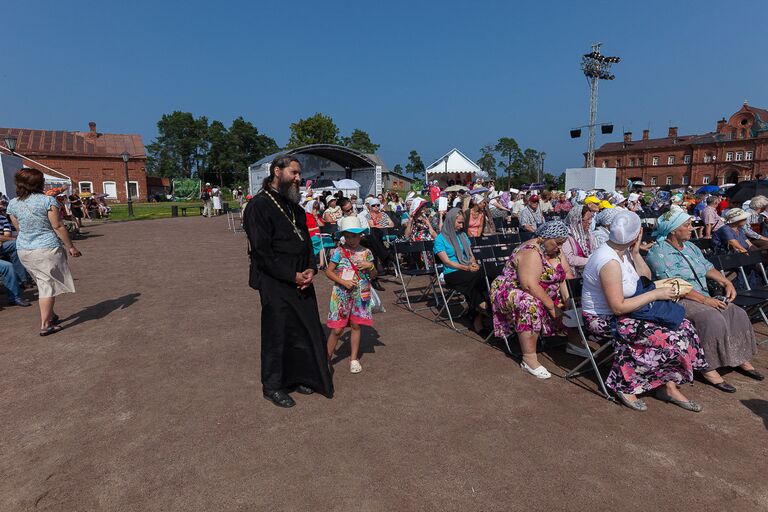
pixel 126 156
pixel 541 176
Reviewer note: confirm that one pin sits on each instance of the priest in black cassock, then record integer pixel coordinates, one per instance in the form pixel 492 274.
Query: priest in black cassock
pixel 293 352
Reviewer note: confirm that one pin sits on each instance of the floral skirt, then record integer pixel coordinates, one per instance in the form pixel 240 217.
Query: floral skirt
pixel 648 355
pixel 515 310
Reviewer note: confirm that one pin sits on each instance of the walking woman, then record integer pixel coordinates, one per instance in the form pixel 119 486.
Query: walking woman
pixel 39 244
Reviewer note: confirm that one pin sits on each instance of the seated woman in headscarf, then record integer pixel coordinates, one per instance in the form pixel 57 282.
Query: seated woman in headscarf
pixel 581 241
pixel 725 331
pixel 648 355
pixel 602 226
pixel 528 295
pixel 462 273
pixel 475 218
pixel 562 205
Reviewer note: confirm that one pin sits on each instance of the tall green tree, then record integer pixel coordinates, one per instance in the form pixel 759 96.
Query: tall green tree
pixel 398 169
pixel 360 141
pixel 247 146
pixel 415 167
pixel 318 129
pixel 180 147
pixel 487 160
pixel 508 148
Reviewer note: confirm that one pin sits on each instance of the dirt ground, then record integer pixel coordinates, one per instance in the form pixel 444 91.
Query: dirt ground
pixel 150 399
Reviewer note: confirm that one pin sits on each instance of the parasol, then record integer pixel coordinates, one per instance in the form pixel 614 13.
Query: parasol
pixel 746 190
pixel 456 188
pixel 708 189
pixel 479 190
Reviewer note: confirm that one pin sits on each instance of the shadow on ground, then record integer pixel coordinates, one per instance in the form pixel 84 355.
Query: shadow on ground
pixel 759 407
pixel 102 309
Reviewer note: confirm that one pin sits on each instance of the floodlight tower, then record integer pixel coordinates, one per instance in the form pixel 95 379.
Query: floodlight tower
pixel 596 67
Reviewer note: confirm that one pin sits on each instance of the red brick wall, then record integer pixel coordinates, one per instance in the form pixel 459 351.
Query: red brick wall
pixel 97 171
pixel 720 171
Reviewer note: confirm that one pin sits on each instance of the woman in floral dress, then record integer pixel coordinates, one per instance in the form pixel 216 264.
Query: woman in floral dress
pixel 528 295
pixel 648 356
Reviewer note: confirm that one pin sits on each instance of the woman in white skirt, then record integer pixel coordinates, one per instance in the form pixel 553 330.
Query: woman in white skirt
pixel 41 244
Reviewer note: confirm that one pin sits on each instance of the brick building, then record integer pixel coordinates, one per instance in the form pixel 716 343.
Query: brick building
pixel 737 150
pixel 92 160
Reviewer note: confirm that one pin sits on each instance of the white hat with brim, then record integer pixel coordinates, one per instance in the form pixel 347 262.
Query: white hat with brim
pixel 351 224
pixel 735 215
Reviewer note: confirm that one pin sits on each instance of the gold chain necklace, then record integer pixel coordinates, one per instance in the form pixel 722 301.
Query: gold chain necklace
pixel 291 219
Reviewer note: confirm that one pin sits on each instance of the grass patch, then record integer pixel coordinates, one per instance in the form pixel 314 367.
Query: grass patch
pixel 143 211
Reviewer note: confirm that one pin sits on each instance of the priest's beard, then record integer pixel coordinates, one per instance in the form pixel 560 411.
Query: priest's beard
pixel 289 190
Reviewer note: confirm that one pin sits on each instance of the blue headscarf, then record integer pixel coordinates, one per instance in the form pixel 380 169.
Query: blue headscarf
pixel 669 222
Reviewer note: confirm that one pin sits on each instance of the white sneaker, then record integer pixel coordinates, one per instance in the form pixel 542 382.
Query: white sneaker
pixel 355 366
pixel 577 351
pixel 539 373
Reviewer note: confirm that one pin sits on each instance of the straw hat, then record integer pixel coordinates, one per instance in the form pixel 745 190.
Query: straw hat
pixel 735 215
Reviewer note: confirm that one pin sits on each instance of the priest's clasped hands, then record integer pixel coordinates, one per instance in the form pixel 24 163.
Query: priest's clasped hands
pixel 304 279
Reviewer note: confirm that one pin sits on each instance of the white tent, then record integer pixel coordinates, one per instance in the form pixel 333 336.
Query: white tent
pixel 456 166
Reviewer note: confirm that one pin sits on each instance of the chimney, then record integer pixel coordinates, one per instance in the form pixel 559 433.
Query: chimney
pixel 627 136
pixel 92 130
pixel 721 124
pixel 672 132
pixel 645 134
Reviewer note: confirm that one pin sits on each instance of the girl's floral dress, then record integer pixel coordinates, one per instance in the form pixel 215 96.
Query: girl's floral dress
pixel 352 304
pixel 647 355
pixel 515 310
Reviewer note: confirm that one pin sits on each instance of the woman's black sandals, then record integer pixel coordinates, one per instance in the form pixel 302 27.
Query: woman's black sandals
pixel 52 329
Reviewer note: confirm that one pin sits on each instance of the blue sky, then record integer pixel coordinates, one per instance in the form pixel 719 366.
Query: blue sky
pixel 416 75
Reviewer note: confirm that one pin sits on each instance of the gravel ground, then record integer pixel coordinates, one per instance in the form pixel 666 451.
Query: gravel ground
pixel 150 399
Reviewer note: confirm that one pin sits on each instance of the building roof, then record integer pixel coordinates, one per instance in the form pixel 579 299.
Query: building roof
pixel 725 132
pixel 455 161
pixel 74 144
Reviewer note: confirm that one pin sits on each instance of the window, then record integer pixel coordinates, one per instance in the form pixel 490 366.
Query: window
pixel 640 162
pixel 749 155
pixel 110 188
pixel 686 159
pixel 671 160
pixel 605 163
pixel 133 186
pixel 669 180
pixel 739 156
pixel 653 181
pixel 729 156
pixel 86 186
pixel 655 161
pixel 685 180
pixel 705 180
pixel 618 162
pixel 631 162
pixel 707 158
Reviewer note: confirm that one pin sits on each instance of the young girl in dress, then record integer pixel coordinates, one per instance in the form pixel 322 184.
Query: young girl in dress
pixel 351 268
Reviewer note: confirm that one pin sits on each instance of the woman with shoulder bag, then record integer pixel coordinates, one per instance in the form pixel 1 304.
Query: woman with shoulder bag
pixel 725 330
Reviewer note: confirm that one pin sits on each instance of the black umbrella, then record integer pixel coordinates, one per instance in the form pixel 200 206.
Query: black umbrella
pixel 746 190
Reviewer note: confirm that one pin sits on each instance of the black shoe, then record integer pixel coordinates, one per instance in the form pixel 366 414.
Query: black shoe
pixel 377 286
pixel 753 374
pixel 24 303
pixel 304 390
pixel 724 386
pixel 280 398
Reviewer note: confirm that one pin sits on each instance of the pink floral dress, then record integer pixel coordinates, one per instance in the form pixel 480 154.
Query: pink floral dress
pixel 515 310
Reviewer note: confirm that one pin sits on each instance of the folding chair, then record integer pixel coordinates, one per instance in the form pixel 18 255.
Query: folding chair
pixel 413 250
pixel 492 266
pixel 444 302
pixel 485 240
pixel 574 301
pixel 751 300
pixel 705 245
pixel 526 235
pixel 509 239
pixel 235 220
pixel 327 237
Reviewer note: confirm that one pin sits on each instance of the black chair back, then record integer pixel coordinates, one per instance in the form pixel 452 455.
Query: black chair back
pixel 575 287
pixel 503 251
pixel 483 253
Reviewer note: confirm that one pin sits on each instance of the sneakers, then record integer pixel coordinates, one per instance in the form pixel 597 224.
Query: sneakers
pixel 539 373
pixel 577 351
pixel 355 366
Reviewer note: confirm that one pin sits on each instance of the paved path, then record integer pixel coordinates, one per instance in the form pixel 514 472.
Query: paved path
pixel 150 399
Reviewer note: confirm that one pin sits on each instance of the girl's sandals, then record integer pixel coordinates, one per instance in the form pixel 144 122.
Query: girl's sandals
pixel 51 329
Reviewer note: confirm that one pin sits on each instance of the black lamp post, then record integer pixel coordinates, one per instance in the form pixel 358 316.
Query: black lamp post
pixel 10 143
pixel 126 156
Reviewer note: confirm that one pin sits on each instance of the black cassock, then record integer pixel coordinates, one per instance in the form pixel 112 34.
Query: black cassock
pixel 293 343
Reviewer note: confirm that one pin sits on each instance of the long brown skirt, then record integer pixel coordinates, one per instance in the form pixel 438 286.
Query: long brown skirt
pixel 727 337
